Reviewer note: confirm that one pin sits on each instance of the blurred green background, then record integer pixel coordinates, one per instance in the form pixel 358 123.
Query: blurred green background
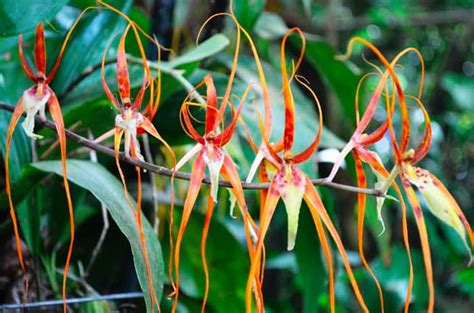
pixel 294 281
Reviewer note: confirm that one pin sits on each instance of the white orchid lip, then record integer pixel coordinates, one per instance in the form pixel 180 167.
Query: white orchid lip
pixel 34 101
pixel 290 185
pixel 129 121
pixel 214 158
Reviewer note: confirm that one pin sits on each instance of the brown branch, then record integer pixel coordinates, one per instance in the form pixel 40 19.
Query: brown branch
pixel 163 171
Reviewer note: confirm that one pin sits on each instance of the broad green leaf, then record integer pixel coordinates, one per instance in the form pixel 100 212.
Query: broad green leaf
pixel 107 189
pixel 394 278
pixel 270 26
pixel 338 75
pixel 228 265
pixel 20 148
pixel 460 88
pixel 464 278
pixel 22 15
pixel 211 46
pixel 88 42
pixel 248 11
pixel 312 276
pixel 13 82
pixel 27 213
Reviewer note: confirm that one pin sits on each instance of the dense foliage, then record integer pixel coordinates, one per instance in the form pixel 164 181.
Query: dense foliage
pixel 155 94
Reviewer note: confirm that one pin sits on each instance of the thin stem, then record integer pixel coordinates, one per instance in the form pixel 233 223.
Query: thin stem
pixel 163 171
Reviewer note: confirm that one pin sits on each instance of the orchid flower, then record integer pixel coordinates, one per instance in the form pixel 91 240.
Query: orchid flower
pixel 438 199
pixel 358 144
pixel 32 102
pixel 130 123
pixel 293 186
pixel 209 153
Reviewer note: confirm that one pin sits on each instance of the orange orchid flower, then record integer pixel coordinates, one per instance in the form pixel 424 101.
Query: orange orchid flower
pixel 359 143
pixel 437 197
pixel 210 154
pixel 32 102
pixel 130 123
pixel 293 186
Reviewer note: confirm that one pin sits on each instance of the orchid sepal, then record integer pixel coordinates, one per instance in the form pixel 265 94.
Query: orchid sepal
pixel 440 202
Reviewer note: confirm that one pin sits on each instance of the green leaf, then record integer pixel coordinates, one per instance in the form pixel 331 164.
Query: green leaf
pixel 464 278
pixel 87 43
pixel 311 274
pixel 20 148
pixel 248 11
pixel 460 88
pixel 394 277
pixel 22 15
pixel 227 261
pixel 340 78
pixel 211 46
pixel 270 26
pixel 107 189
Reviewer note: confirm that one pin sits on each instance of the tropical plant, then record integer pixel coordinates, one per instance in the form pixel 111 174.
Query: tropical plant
pixel 260 124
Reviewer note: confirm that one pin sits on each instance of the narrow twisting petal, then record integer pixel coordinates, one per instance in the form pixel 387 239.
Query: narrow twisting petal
pixel 40 50
pixel 26 68
pixel 425 245
pixel 211 108
pixel 229 172
pixel 227 133
pixel 11 127
pixel 188 125
pixel 205 231
pixel 123 79
pixel 306 154
pixel 107 90
pixel 315 204
pixel 271 201
pixel 289 132
pixel 361 203
pixel 57 116
pixel 424 146
pixel 197 174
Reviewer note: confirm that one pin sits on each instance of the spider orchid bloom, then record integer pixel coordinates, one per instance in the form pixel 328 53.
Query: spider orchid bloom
pixel 262 152
pixel 209 153
pixel 359 143
pixel 293 186
pixel 34 101
pixel 438 199
pixel 130 123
